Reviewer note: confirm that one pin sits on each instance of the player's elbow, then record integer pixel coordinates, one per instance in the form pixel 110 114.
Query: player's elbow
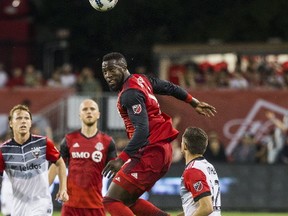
pixel 205 206
pixel 205 211
pixel 208 210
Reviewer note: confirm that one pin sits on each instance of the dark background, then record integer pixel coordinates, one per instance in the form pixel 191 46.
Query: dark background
pixel 133 27
pixel 49 33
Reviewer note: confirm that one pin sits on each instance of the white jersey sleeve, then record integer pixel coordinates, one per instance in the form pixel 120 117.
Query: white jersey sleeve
pixel 200 179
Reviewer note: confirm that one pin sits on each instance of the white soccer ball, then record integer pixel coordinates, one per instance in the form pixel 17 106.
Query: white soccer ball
pixel 103 5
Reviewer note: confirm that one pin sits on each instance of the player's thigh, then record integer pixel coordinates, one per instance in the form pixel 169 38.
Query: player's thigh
pixel 150 167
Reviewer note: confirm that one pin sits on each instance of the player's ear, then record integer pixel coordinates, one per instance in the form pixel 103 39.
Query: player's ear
pixel 185 146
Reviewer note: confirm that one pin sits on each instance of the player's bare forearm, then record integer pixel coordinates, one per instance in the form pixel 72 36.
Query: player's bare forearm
pixel 181 214
pixel 62 193
pixel 205 207
pixel 52 173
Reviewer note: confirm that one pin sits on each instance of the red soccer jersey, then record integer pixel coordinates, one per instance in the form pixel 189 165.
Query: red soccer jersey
pixel 160 124
pixel 86 157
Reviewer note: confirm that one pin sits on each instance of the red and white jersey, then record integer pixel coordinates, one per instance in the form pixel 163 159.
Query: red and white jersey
pixel 86 158
pixel 27 168
pixel 200 179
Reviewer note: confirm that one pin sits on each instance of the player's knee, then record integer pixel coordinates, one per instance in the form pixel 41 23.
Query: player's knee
pixel 112 205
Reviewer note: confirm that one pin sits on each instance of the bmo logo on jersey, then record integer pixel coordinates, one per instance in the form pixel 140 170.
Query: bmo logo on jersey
pixel 94 155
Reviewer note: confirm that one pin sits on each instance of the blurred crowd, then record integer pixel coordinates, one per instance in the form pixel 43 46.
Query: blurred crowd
pixel 84 81
pixel 270 149
pixel 251 73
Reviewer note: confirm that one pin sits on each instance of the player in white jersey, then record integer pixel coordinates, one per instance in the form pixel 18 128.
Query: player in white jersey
pixel 200 189
pixel 25 159
pixel 6 196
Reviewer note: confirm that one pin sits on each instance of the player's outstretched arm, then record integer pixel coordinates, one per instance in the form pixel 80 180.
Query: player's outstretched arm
pixel 164 87
pixel 203 108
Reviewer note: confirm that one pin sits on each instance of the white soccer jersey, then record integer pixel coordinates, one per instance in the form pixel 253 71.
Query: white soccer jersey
pixel 27 168
pixel 6 196
pixel 200 179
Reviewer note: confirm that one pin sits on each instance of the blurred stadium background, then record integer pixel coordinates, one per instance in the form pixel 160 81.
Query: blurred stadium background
pixel 233 54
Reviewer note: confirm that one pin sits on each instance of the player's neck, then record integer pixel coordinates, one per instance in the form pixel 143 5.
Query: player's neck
pixel 21 138
pixel 89 131
pixel 191 157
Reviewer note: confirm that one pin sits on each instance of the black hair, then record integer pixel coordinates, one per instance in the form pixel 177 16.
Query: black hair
pixel 115 56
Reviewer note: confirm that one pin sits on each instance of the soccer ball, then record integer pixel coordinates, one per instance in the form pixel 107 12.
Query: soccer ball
pixel 103 5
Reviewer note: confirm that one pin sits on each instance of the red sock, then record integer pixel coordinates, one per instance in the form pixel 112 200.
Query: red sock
pixel 145 208
pixel 116 208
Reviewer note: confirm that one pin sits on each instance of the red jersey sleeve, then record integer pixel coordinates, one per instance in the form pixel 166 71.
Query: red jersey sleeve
pixel 52 153
pixel 195 181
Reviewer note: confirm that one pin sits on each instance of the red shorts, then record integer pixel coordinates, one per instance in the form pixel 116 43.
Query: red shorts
pixel 71 211
pixel 142 171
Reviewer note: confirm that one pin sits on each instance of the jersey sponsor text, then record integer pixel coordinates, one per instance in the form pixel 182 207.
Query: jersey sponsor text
pixel 96 155
pixel 30 167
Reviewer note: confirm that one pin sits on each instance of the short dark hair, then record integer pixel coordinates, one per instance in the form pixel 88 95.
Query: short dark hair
pixel 196 140
pixel 115 56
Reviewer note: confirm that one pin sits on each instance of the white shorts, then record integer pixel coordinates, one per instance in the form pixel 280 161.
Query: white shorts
pixel 41 207
pixel 6 196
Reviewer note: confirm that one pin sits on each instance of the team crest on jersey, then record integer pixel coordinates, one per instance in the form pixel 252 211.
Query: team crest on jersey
pixel 135 175
pixel 137 108
pixel 198 186
pixel 99 146
pixel 36 152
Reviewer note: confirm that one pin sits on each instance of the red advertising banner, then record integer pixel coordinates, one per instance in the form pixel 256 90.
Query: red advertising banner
pixel 238 112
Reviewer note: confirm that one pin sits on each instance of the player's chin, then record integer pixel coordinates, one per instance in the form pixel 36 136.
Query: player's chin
pixel 89 123
pixel 114 87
